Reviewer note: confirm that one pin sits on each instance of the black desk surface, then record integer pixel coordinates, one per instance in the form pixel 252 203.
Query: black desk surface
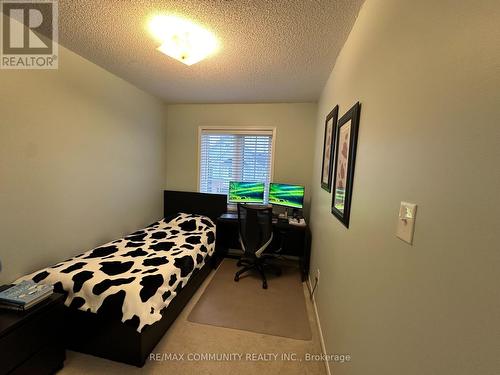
pixel 10 319
pixel 229 216
pixel 233 217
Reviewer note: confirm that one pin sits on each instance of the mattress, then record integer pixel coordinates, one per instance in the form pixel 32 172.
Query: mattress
pixel 134 278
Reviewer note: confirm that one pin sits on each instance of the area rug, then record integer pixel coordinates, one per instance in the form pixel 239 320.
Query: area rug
pixel 279 310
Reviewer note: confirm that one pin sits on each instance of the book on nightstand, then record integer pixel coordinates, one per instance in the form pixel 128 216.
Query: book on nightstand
pixel 23 296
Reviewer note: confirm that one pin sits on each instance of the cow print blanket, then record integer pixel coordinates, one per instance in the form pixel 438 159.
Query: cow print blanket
pixel 134 278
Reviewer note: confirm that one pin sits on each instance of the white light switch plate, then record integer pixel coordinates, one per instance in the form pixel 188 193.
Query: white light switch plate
pixel 406 221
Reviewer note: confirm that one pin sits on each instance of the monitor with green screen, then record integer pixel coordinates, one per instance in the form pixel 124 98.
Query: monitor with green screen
pixel 286 195
pixel 246 192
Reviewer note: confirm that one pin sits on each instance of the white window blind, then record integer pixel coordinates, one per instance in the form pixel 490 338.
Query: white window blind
pixel 234 155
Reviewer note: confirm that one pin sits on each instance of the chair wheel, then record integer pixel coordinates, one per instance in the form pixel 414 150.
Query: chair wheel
pixel 264 285
pixel 236 278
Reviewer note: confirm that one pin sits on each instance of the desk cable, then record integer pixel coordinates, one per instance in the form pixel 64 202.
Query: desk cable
pixel 311 292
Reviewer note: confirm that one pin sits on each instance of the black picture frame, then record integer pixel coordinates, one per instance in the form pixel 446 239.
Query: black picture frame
pixel 328 148
pixel 345 160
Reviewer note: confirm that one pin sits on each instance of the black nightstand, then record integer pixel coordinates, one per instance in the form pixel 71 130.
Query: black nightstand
pixel 30 341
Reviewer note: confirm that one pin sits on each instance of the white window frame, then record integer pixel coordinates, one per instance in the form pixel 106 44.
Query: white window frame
pixel 236 130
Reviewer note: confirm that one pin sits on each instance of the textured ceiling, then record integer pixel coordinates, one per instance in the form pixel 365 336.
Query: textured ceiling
pixel 270 50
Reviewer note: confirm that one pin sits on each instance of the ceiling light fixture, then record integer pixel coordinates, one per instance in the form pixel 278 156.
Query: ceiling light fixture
pixel 182 39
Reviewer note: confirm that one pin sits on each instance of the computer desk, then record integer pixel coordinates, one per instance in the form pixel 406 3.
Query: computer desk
pixel 294 240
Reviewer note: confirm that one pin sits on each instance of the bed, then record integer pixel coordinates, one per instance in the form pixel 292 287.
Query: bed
pixel 122 296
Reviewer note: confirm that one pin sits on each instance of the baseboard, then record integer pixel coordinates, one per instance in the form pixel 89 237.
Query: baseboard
pixel 321 339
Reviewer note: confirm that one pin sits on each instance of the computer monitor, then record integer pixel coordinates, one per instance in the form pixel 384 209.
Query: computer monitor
pixel 286 195
pixel 246 192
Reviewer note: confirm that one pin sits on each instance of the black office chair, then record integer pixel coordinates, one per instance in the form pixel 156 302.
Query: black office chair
pixel 255 226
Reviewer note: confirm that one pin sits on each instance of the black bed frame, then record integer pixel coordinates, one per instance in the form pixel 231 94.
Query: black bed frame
pixel 107 338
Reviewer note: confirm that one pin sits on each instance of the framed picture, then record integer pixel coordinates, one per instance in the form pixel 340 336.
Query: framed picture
pixel 327 166
pixel 345 157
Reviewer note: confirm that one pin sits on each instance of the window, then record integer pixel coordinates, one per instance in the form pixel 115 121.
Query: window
pixel 234 155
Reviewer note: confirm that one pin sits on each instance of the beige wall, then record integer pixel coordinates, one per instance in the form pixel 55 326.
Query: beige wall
pixel 294 138
pixel 428 76
pixel 82 161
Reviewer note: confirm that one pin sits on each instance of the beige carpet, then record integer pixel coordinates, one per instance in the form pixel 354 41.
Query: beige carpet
pixel 185 337
pixel 279 310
